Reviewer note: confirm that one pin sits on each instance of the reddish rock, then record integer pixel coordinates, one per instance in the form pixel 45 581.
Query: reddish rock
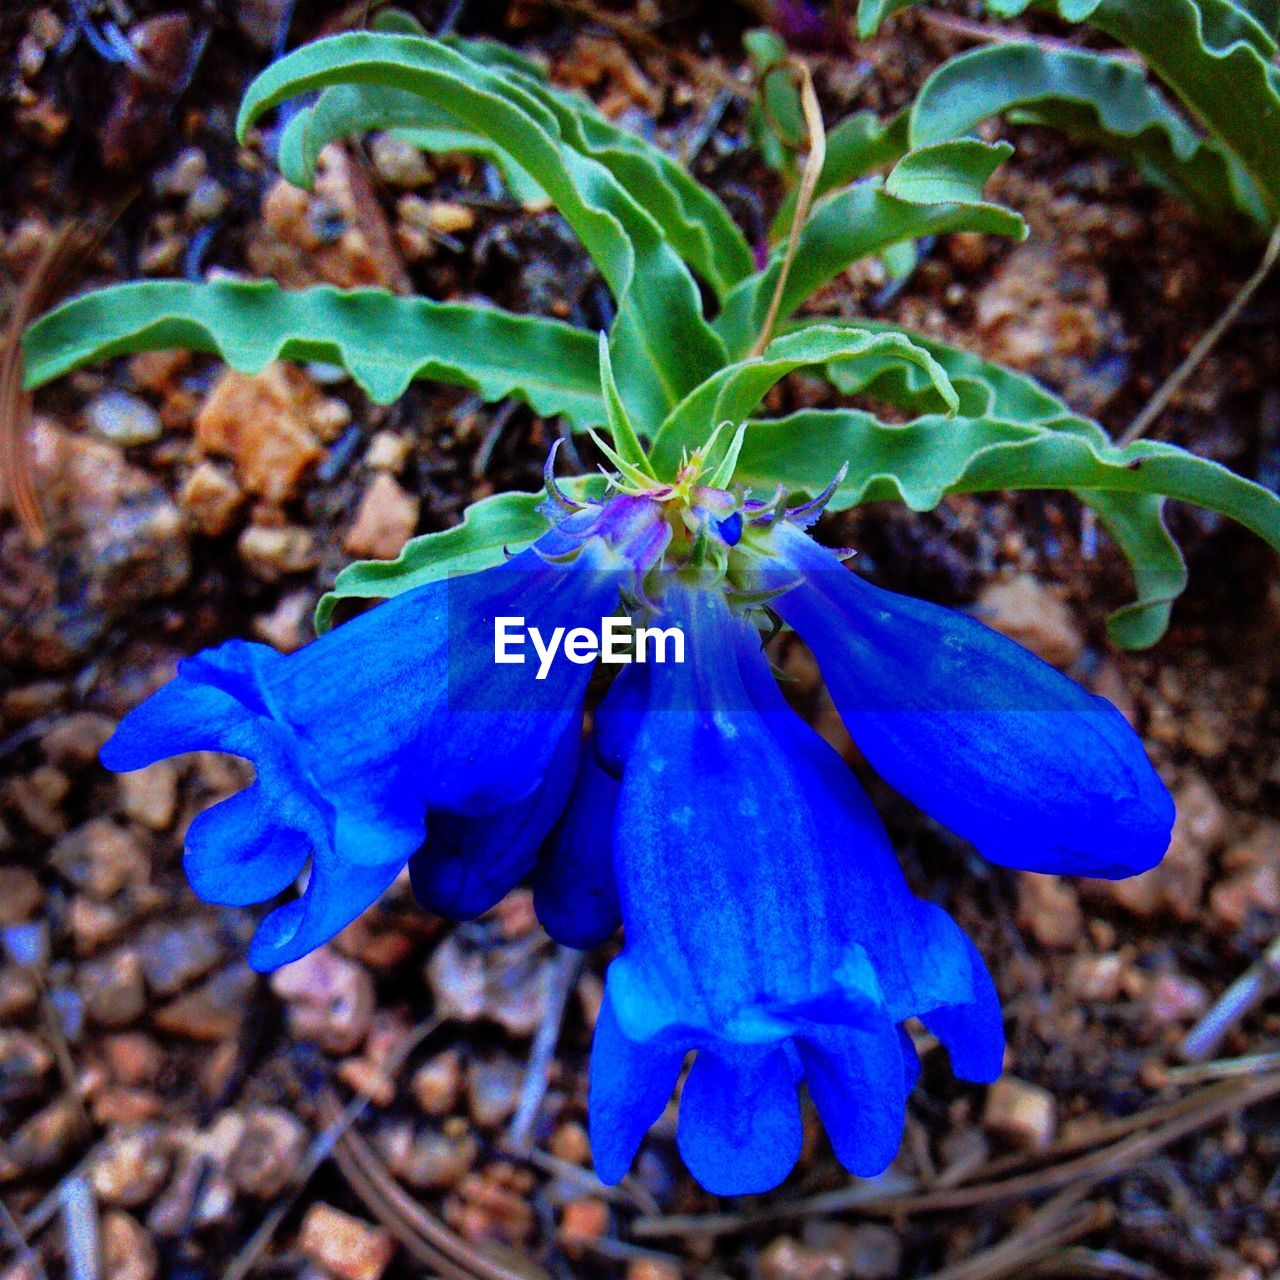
pixel 21 896
pixel 385 520
pixel 211 498
pixel 101 858
pixel 329 999
pixel 346 1247
pixel 215 1010
pixel 128 1252
pixel 1026 610
pixel 1022 1114
pixel 112 988
pixel 436 1085
pixel 130 1167
pixel 150 796
pixel 1049 910
pixel 268 1156
pixel 270 424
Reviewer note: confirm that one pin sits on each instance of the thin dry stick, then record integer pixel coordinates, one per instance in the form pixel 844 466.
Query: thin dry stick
pixel 1214 1104
pixel 1240 998
pixel 409 1220
pixel 804 200
pixel 320 1149
pixel 980 33
pixel 41 286
pixel 1061 1221
pixel 1177 379
pixel 559 978
pixel 1252 1064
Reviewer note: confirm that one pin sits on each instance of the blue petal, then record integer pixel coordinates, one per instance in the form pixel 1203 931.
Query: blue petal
pixel 631 1084
pixel 739 1130
pixel 618 717
pixel 575 892
pixel 859 1084
pixel 337 892
pixel 355 737
pixel 979 733
pixel 468 865
pixel 972 1030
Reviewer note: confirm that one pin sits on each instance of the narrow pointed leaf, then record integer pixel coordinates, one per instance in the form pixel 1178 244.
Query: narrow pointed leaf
pixel 620 428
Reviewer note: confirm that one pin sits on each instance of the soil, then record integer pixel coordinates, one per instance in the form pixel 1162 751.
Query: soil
pixel 155 1092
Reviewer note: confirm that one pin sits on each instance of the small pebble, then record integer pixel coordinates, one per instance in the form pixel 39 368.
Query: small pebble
pixel 123 419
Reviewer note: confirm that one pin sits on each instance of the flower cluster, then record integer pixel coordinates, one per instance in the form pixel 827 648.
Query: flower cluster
pixel 767 926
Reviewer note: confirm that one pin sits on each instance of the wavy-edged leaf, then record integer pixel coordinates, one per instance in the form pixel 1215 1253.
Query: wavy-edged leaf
pixel 383 341
pixel 954 172
pixel 733 393
pixel 661 344
pixel 698 226
pixel 348 109
pixel 859 145
pixel 1136 525
pixel 844 227
pixel 490 529
pixel 1266 13
pixel 1090 96
pixel 984 389
pixel 920 462
pixel 775 120
pixel 1135 522
pixel 1215 55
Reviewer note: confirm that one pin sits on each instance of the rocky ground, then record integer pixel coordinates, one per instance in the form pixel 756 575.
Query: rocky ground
pixel 159 1097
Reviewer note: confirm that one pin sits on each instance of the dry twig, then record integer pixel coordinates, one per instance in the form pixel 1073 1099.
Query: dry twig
pixel 1210 1106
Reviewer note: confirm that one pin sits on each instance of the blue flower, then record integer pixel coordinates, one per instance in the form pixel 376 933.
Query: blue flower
pixel 982 735
pixel 393 738
pixel 768 928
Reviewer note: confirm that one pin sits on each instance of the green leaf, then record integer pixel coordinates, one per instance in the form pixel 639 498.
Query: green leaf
pixel 997 400
pixel 698 226
pixel 346 109
pixel 1090 96
pixel 859 145
pixel 851 224
pixel 775 119
pixel 490 529
pixel 1266 13
pixel 383 341
pixel 1136 525
pixel 953 172
pixel 1215 55
pixel 620 428
pixel 920 462
pixel 662 346
pixel 732 394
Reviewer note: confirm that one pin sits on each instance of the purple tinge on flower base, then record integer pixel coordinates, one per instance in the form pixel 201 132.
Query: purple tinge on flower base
pixel 768 929
pixel 982 735
pixel 398 719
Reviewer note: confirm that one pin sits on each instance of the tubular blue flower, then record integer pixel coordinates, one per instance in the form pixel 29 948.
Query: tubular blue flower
pixel 395 724
pixel 982 735
pixel 575 890
pixel 769 929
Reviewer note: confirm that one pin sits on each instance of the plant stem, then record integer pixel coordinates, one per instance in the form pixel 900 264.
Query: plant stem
pixel 804 200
